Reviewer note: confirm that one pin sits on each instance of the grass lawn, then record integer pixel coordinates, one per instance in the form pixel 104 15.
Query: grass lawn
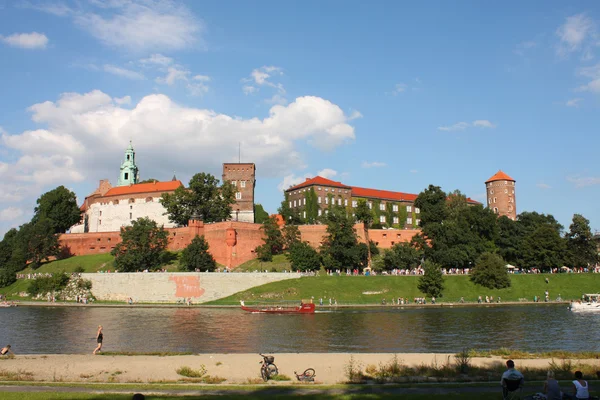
pixel 279 263
pixel 90 263
pixel 372 289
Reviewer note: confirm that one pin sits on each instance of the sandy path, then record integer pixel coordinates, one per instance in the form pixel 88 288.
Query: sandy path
pixel 235 368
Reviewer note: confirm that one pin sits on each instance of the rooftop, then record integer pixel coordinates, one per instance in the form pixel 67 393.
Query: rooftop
pixel 144 188
pixel 318 180
pixel 500 176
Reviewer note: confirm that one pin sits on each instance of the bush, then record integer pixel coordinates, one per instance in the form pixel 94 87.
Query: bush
pixel 263 252
pixel 44 285
pixel 7 277
pixel 431 282
pixel 196 256
pixel 303 257
pixel 490 272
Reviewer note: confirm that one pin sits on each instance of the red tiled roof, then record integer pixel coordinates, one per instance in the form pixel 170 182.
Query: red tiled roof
pixel 471 201
pixel 500 176
pixel 144 188
pixel 382 194
pixel 318 180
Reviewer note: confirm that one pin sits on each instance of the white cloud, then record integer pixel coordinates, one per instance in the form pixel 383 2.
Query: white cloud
pixel 122 100
pixel 122 72
pixel 327 173
pixel 399 88
pixel 29 41
pixel 522 47
pixel 263 77
pixel 85 136
pixel 355 115
pixel 592 72
pixel 10 213
pixel 58 9
pixel 583 181
pixel 196 85
pixel 374 164
pixel 574 33
pixel 573 102
pixel 249 89
pixel 277 99
pixel 157 59
pixel 544 186
pixel 461 126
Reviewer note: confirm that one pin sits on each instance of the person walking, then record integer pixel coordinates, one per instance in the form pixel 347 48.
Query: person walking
pixel 99 339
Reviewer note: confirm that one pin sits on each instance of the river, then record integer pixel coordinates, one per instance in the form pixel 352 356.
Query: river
pixel 55 330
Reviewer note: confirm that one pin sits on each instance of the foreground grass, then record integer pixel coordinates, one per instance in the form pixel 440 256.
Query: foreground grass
pixel 373 289
pixel 253 396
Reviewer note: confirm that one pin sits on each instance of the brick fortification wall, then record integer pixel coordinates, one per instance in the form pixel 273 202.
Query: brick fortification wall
pixel 163 287
pixel 231 243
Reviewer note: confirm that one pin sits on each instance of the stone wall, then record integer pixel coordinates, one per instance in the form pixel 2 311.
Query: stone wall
pixel 159 287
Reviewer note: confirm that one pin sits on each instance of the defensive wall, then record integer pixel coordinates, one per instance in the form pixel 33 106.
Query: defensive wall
pixel 231 243
pixel 165 287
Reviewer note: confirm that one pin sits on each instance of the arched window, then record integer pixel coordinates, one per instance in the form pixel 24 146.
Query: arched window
pixel 149 200
pixel 131 201
pixel 115 202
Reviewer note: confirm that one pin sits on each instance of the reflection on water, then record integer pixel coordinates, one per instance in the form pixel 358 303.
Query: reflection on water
pixel 203 330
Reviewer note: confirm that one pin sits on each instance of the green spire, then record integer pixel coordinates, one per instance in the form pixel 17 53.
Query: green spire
pixel 129 174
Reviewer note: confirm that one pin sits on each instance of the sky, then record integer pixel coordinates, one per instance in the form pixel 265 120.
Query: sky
pixel 384 94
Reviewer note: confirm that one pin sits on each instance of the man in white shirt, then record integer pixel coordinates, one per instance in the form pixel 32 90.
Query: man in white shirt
pixel 511 374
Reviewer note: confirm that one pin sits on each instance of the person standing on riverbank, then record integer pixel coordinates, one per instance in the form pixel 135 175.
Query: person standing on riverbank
pixel 99 339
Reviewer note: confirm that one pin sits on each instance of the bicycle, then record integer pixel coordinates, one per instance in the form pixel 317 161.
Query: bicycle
pixel 268 368
pixel 307 376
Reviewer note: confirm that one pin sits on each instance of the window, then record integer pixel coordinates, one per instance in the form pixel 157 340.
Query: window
pixel 100 213
pixel 408 208
pixel 130 216
pixel 489 201
pixel 354 203
pixel 131 201
pixel 294 203
pixel 319 200
pixel 345 191
pixel 339 202
pixel 149 200
pixel 370 205
pixel 505 190
pixel 409 220
pixel 234 183
pixel 513 192
pixel 290 204
pixel 395 209
pixel 304 214
pixel 494 199
pixel 417 210
pixel 99 223
pixel 327 189
pixel 320 212
pixel 496 210
pixel 126 175
pixel 382 219
pixel 115 202
pixel 318 188
pixel 238 196
pixel 396 220
pixel 127 157
pixel 382 206
pixel 304 201
pixel 326 200
pixel 346 202
pixel 509 208
pixel 418 221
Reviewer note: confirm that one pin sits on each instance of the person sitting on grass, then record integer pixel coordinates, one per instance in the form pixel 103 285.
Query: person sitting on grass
pixel 5 350
pixel 511 374
pixel 581 389
pixel 552 388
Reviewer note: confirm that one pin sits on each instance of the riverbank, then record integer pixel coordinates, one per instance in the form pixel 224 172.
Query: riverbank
pixel 239 369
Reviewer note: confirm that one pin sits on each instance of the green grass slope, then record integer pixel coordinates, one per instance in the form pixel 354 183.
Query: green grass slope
pixel 372 289
pixel 279 264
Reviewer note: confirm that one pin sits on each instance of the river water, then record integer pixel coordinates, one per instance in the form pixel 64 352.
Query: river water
pixel 48 330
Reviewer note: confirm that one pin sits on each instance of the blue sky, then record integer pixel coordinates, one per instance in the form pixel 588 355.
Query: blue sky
pixel 387 95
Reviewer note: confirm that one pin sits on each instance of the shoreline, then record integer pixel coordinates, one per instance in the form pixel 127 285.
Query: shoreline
pixel 243 368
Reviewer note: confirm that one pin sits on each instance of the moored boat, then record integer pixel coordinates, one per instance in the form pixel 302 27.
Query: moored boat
pixel 588 302
pixel 280 308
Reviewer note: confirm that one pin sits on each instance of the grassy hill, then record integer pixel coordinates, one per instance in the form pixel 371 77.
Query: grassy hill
pixel 279 264
pixel 372 289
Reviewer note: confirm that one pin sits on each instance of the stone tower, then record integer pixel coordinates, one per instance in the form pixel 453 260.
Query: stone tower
pixel 242 176
pixel 129 174
pixel 501 198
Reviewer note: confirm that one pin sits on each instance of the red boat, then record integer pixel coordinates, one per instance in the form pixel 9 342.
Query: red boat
pixel 280 308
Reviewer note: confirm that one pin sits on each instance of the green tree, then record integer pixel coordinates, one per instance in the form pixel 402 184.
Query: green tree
pixel 363 214
pixel 364 251
pixel 273 239
pixel 312 206
pixel 432 204
pixel 402 255
pixel 260 215
pixel 150 180
pixel 263 253
pixel 339 249
pixel 59 206
pixel 142 245
pixel 543 249
pixel 204 197
pixel 196 256
pixel 509 239
pixel 490 272
pixel 35 242
pixel 303 257
pixel 291 235
pixel 431 283
pixel 581 248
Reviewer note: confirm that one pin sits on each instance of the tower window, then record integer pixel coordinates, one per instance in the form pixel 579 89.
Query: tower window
pixel 243 184
pixel 238 196
pixel 132 200
pixel 149 200
pixel 126 175
pixel 127 157
pixel 130 215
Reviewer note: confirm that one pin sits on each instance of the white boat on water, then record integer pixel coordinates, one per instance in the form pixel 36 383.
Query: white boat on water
pixel 588 302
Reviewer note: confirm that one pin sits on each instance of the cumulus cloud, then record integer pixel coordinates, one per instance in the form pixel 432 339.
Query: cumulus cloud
pixel 84 137
pixel 327 173
pixel 293 180
pixel 461 126
pixel 573 35
pixel 373 164
pixel 583 181
pixel 263 76
pixel 122 100
pixel 28 41
pixel 123 72
pixel 196 85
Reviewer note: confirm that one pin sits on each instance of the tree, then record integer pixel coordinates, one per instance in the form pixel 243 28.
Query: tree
pixel 402 255
pixel 141 247
pixel 273 237
pixel 432 204
pixel 364 252
pixel 508 239
pixel 363 214
pixel 291 235
pixel 260 215
pixel 196 256
pixel 543 249
pixel 303 257
pixel 59 206
pixel 150 180
pixel 36 242
pixel 431 283
pixel 312 206
pixel 340 247
pixel 263 253
pixel 490 272
pixel 204 198
pixel 286 212
pixel 581 248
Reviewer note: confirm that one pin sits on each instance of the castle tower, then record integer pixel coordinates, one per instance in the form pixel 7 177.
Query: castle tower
pixel 242 176
pixel 129 174
pixel 501 198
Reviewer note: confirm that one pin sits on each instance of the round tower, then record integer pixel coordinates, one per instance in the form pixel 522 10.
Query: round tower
pixel 501 197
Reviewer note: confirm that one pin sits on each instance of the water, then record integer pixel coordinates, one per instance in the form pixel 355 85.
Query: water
pixel 47 330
